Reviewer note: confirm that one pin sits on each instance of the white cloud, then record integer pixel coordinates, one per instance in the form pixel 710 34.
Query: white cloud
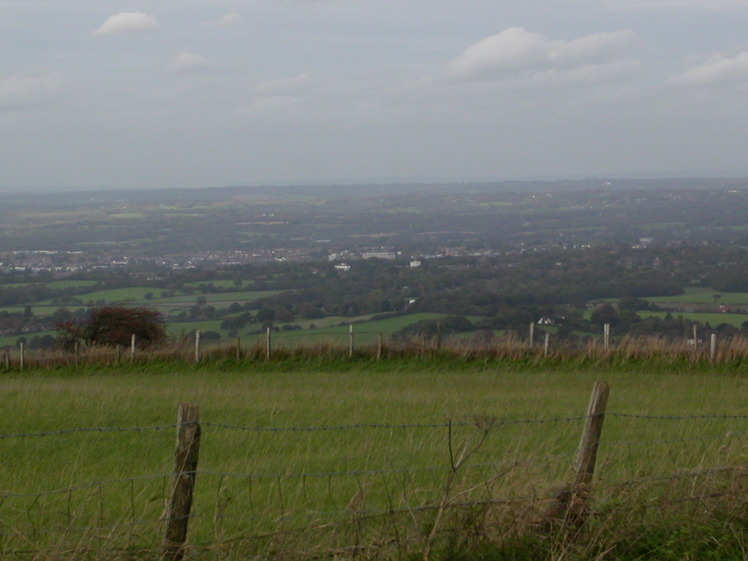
pixel 26 91
pixel 128 22
pixel 185 63
pixel 517 53
pixel 717 70
pixel 232 19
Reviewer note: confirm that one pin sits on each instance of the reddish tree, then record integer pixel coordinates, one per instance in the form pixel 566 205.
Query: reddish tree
pixel 114 325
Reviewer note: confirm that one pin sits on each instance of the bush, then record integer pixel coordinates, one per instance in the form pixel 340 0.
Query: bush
pixel 113 326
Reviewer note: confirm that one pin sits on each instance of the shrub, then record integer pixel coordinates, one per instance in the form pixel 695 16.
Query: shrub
pixel 112 326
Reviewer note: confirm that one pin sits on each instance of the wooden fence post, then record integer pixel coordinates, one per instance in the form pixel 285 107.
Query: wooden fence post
pixel 570 506
pixel 532 334
pixel 268 344
pixel 7 359
pixel 713 347
pixel 593 428
pixel 22 350
pixel 197 345
pixel 695 341
pixel 606 337
pixel 438 336
pixel 380 347
pixel 546 344
pixel 238 348
pixel 178 508
pixel 350 340
pixel 132 347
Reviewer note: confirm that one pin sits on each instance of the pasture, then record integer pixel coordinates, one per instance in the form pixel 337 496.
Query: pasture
pixel 302 460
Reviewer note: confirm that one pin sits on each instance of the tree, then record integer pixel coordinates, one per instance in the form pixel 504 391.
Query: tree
pixel 114 325
pixel 605 313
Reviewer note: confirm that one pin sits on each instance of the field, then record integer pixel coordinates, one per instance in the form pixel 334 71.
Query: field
pixel 348 459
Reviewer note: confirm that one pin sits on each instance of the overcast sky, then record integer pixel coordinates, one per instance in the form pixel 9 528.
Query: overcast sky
pixel 200 93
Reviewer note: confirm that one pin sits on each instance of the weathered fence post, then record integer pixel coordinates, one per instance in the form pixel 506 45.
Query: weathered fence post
pixel 606 337
pixel 132 347
pixel 380 346
pixel 268 344
pixel 713 347
pixel 75 354
pixel 22 350
pixel 197 345
pixel 438 336
pixel 593 427
pixel 532 334
pixel 546 344
pixel 238 348
pixel 570 505
pixel 7 359
pixel 178 508
pixel 350 340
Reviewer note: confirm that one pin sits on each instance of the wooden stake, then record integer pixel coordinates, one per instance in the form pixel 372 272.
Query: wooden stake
pixel 606 337
pixel 546 344
pixel 593 427
pixel 197 345
pixel 532 334
pixel 713 347
pixel 186 454
pixel 238 348
pixel 350 340
pixel 438 336
pixel 268 344
pixel 132 347
pixel 380 347
pixel 570 505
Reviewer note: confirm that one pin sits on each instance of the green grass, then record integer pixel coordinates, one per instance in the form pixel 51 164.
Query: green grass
pixel 700 295
pixel 714 319
pixel 112 295
pixel 307 479
pixel 64 284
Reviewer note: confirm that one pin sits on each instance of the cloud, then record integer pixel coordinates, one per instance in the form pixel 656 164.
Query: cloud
pixel 232 19
pixel 128 22
pixel 186 63
pixel 27 91
pixel 516 53
pixel 717 70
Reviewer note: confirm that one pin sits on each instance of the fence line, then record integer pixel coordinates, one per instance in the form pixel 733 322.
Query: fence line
pixel 356 426
pixel 268 345
pixel 490 472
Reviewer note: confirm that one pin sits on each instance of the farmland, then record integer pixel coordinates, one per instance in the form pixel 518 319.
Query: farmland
pixel 266 468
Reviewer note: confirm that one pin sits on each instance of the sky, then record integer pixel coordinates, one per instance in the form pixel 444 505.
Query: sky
pixel 110 94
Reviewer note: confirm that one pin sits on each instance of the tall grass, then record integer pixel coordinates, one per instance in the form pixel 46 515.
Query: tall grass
pixel 664 487
pixel 652 352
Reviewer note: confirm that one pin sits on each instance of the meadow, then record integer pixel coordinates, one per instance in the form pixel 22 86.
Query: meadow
pixel 344 459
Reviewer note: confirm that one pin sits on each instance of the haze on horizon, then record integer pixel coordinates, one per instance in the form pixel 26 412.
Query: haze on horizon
pixel 229 92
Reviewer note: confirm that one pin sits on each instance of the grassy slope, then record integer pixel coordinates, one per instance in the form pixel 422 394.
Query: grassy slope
pixel 305 395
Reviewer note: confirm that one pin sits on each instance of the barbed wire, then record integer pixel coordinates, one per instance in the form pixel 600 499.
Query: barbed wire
pixel 87 485
pixel 61 432
pixel 707 416
pixel 352 426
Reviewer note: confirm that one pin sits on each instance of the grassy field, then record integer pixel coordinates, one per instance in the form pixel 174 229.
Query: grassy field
pixel 699 295
pixel 269 485
pixel 714 319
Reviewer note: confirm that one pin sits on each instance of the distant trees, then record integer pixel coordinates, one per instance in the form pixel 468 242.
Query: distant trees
pixel 113 325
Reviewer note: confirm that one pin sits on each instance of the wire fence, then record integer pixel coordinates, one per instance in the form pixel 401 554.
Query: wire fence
pixel 355 343
pixel 335 490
